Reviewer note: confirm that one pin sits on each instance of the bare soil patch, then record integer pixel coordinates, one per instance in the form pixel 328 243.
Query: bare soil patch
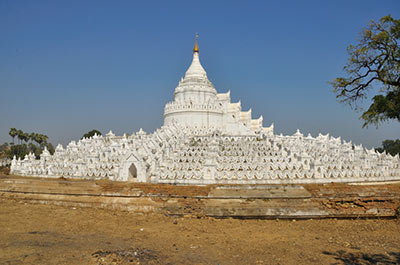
pixel 51 234
pixel 4 171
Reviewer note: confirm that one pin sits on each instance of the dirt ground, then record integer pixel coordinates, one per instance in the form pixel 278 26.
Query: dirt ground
pixel 50 234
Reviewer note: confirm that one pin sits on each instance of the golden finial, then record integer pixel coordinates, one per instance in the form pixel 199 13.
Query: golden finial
pixel 196 47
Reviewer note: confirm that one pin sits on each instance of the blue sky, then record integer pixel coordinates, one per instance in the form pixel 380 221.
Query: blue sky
pixel 67 67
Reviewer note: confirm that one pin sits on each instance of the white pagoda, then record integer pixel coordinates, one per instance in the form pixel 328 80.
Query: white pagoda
pixel 207 139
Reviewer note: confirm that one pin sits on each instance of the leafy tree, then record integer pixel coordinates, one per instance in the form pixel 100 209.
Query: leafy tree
pixel 390 146
pixel 18 150
pixel 44 138
pixel 13 133
pixel 374 62
pixel 22 149
pixel 26 137
pixel 50 148
pixel 35 137
pixel 32 137
pixel 34 149
pixel 91 133
pixel 39 138
pixel 4 148
pixel 20 135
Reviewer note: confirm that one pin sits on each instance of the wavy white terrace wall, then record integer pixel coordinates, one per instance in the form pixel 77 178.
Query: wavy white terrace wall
pixel 190 155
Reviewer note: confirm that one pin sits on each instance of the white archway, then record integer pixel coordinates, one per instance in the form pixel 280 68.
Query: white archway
pixel 132 169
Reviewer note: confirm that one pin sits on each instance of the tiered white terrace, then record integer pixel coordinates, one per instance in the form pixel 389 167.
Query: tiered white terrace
pixel 208 139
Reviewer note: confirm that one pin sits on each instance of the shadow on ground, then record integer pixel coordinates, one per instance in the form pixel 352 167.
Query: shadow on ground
pixel 344 257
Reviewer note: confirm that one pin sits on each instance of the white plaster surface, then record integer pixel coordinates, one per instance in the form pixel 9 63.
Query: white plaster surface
pixel 208 139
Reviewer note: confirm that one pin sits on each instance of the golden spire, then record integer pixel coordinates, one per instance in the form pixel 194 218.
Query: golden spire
pixel 196 47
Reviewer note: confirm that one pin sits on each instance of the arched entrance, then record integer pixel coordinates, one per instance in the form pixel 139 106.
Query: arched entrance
pixel 132 172
pixel 132 169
